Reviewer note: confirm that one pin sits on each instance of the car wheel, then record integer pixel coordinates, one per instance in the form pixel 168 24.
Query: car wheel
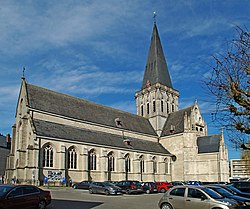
pixel 148 191
pixel 107 192
pixel 42 204
pixel 75 187
pixel 128 191
pixel 166 206
pixel 163 190
pixel 91 191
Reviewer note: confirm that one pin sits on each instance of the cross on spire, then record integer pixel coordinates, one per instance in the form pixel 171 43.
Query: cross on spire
pixel 154 17
pixel 23 73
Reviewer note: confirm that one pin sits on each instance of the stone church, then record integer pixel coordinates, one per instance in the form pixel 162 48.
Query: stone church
pixel 58 136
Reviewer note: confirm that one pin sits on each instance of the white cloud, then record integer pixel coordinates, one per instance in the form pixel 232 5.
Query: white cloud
pixel 8 95
pixel 127 106
pixel 34 25
pixel 83 78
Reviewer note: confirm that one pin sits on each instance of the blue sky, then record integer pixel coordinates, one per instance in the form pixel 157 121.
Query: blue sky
pixel 97 49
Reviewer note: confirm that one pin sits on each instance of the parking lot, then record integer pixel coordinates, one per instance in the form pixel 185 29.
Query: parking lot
pixel 66 198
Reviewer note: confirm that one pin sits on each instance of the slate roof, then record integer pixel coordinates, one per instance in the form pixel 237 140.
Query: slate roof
pixel 4 151
pixel 60 131
pixel 61 104
pixel 3 157
pixel 3 141
pixel 176 119
pixel 156 67
pixel 208 144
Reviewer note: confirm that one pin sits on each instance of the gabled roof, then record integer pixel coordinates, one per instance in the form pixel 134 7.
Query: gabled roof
pixel 61 104
pixel 156 67
pixel 208 144
pixel 60 131
pixel 175 122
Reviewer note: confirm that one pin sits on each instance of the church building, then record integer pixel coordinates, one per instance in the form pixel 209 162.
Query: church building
pixel 58 136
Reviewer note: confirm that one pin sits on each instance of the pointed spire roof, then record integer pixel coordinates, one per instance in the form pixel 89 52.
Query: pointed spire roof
pixel 156 70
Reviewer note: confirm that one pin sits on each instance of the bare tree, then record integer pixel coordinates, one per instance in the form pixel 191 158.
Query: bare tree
pixel 229 83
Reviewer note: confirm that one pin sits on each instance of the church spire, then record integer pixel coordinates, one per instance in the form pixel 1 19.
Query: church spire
pixel 157 98
pixel 156 70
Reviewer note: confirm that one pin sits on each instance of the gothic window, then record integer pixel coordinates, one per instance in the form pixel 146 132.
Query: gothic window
pixel 127 163
pixel 154 108
pixel 21 107
pixel 148 108
pixel 166 166
pixel 154 165
pixel 48 156
pixel 111 162
pixel 141 158
pixel 141 110
pixel 162 106
pixel 20 130
pixel 92 160
pixel 196 113
pixel 167 107
pixel 173 108
pixel 72 158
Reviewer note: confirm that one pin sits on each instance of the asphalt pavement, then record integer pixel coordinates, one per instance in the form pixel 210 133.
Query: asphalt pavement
pixel 69 198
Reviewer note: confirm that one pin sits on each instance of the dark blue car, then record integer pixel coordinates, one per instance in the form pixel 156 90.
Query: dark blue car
pixel 242 201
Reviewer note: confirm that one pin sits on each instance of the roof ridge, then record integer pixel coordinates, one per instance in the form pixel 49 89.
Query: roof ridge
pixel 85 100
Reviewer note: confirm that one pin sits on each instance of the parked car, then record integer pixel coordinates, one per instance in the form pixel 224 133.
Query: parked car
pixel 235 191
pixel 149 187
pixel 82 185
pixel 104 188
pixel 196 183
pixel 195 197
pixel 242 201
pixel 23 197
pixel 175 183
pixel 243 186
pixel 163 186
pixel 130 187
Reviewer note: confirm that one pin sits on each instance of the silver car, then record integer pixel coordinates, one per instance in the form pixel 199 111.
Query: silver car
pixel 104 188
pixel 195 197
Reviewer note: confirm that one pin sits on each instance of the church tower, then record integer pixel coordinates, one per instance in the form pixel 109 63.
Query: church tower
pixel 157 98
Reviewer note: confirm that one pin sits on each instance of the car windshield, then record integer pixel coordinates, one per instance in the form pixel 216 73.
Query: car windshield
pixel 223 192
pixel 233 188
pixel 108 184
pixel 212 193
pixel 4 190
pixel 136 183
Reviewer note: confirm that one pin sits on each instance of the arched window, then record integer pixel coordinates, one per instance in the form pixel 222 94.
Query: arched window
pixel 162 106
pixel 141 158
pixel 127 163
pixel 141 110
pixel 154 165
pixel 147 108
pixel 196 113
pixel 92 160
pixel 111 162
pixel 172 107
pixel 167 107
pixel 72 158
pixel 154 108
pixel 21 107
pixel 48 156
pixel 166 166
